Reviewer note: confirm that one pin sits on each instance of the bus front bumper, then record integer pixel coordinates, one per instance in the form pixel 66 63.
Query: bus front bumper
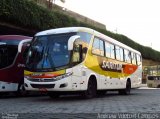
pixel 59 85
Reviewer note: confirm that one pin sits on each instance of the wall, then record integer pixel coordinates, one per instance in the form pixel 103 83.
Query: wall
pixel 147 62
pixel 70 13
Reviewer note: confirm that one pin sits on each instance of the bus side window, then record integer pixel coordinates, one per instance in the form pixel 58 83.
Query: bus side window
pixel 122 54
pixel 85 37
pixel 112 51
pixel 84 40
pixel 138 59
pixel 25 52
pixel 127 56
pixel 101 47
pixel 107 49
pixel 98 47
pixel 133 58
pixel 119 53
pixel 3 57
pixel 76 54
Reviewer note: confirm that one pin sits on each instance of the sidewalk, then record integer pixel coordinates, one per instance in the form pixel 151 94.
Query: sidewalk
pixel 143 85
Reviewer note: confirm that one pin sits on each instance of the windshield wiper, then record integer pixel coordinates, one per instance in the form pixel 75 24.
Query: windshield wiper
pixel 43 55
pixel 47 57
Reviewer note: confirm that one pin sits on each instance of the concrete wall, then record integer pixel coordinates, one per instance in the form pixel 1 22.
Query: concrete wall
pixel 84 19
pixel 70 13
pixel 147 62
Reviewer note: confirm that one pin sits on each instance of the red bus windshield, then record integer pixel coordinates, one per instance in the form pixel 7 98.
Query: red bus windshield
pixel 8 51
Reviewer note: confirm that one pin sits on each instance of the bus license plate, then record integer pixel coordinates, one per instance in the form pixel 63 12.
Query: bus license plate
pixel 43 89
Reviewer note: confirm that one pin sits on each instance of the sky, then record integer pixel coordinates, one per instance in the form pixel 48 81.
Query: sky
pixel 137 19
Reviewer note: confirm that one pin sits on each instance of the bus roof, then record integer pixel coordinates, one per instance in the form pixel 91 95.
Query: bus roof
pixel 64 30
pixel 16 37
pixel 113 41
pixel 84 29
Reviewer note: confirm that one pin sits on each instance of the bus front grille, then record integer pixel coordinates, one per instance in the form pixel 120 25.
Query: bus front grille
pixel 41 80
pixel 43 85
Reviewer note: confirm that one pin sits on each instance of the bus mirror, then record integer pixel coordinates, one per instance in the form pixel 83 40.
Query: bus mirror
pixel 2 43
pixel 71 41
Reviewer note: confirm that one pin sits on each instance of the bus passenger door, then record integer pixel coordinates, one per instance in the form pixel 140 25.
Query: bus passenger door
pixel 77 66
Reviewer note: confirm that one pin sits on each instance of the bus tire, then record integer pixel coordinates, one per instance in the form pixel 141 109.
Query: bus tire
pixel 158 86
pixel 53 95
pixel 91 89
pixel 21 91
pixel 127 90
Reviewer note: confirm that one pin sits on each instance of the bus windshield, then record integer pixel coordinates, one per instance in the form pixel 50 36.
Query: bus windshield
pixel 8 52
pixel 49 52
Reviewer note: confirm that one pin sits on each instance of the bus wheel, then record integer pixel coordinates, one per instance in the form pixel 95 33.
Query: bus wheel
pixel 158 86
pixel 21 91
pixel 91 90
pixel 53 95
pixel 127 90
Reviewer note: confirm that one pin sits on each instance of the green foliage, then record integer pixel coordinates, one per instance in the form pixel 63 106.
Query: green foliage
pixel 27 14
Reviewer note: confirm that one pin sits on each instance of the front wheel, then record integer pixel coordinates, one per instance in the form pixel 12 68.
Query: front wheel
pixel 21 91
pixel 158 86
pixel 91 90
pixel 127 90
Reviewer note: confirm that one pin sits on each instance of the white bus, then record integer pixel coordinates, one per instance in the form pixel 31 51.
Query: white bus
pixel 153 81
pixel 81 60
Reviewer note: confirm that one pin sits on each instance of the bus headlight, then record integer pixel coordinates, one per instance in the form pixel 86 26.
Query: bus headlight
pixel 63 76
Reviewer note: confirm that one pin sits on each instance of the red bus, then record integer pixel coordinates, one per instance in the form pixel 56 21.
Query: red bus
pixel 12 49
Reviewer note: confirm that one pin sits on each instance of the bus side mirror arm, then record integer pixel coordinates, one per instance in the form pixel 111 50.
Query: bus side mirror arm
pixel 71 41
pixel 21 44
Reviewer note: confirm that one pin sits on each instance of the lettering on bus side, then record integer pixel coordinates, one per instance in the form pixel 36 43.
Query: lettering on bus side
pixel 110 66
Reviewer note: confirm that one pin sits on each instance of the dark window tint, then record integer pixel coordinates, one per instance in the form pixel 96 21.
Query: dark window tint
pixel 7 55
pixel 150 77
pixel 10 41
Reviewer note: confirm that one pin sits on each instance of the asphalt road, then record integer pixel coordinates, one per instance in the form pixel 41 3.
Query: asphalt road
pixel 141 100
